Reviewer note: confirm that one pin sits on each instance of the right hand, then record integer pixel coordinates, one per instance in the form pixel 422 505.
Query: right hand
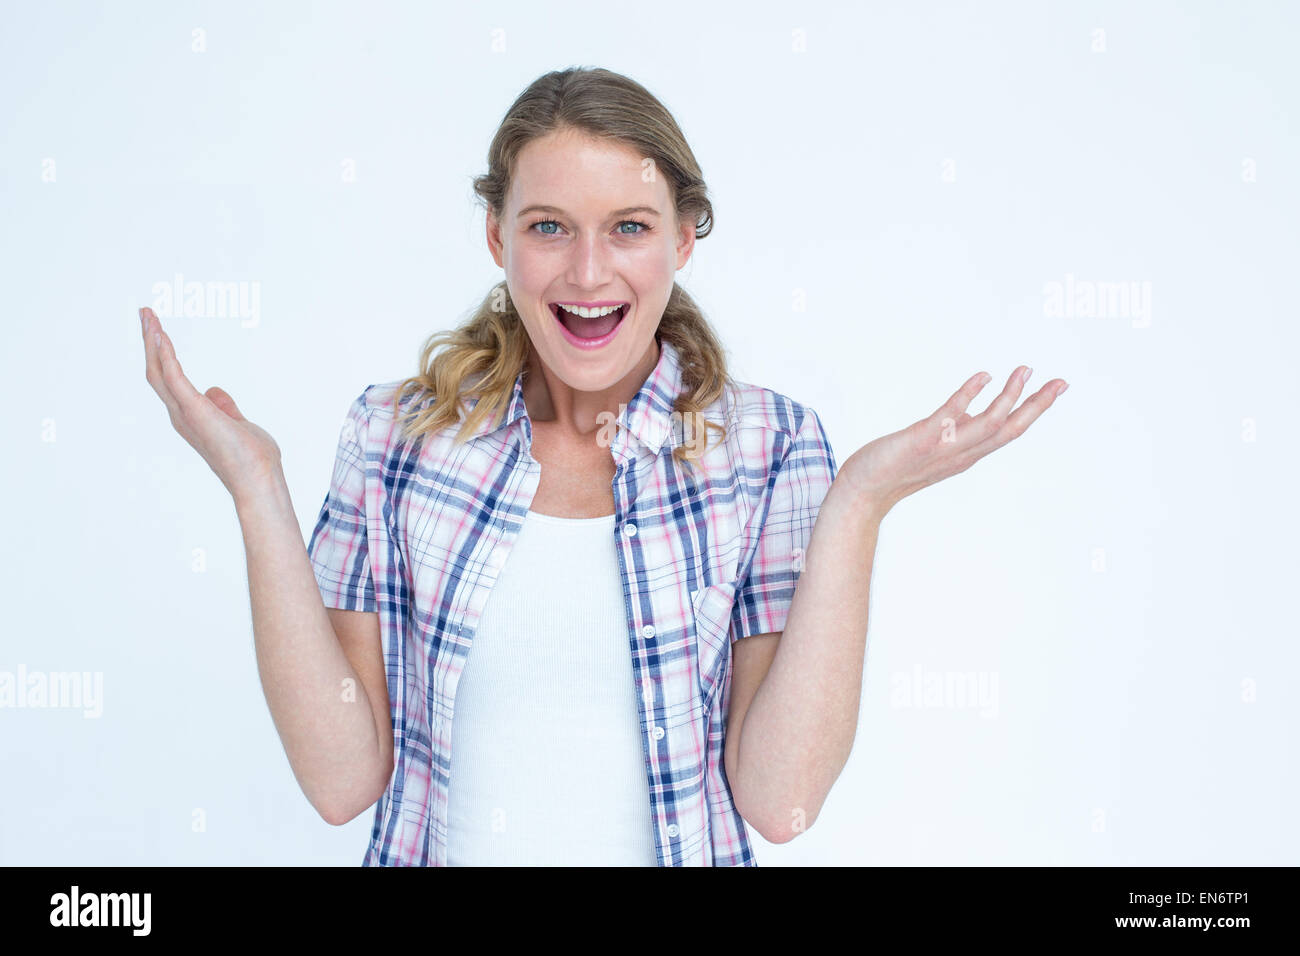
pixel 243 455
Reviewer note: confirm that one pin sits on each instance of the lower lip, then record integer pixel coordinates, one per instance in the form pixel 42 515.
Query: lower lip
pixel 591 343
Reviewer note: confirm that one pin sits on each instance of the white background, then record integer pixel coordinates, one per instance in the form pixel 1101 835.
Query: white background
pixel 917 173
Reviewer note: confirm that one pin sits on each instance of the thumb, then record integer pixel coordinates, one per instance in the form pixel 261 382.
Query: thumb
pixel 224 402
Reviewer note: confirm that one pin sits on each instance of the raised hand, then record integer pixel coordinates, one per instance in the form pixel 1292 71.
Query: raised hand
pixel 946 443
pixel 243 455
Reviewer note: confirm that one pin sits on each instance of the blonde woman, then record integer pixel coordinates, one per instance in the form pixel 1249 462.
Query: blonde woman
pixel 575 595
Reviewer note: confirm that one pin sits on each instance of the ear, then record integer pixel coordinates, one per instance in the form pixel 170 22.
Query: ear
pixel 685 241
pixel 494 242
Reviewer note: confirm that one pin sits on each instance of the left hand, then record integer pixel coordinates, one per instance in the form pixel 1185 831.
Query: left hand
pixel 948 442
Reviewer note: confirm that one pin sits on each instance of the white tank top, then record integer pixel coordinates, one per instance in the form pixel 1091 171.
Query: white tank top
pixel 547 762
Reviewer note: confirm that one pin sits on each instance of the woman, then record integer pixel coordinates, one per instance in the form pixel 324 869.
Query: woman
pixel 554 576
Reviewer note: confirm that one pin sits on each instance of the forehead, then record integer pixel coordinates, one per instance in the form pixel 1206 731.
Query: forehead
pixel 583 175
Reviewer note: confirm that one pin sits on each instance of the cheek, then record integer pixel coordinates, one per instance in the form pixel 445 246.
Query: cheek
pixel 652 268
pixel 527 271
pixel 517 258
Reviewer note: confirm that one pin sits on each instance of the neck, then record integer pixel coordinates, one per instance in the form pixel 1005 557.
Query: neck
pixel 578 413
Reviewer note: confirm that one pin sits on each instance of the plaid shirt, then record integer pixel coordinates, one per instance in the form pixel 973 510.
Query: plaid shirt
pixel 419 532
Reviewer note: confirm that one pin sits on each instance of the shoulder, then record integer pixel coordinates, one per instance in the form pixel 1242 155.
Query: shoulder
pixel 775 459
pixel 381 399
pixel 371 418
pixel 382 406
pixel 748 407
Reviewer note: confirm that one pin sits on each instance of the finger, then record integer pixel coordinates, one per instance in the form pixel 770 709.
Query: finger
pixel 961 399
pixel 221 398
pixel 181 388
pixel 992 418
pixel 153 372
pixel 1019 421
pixel 187 401
pixel 953 412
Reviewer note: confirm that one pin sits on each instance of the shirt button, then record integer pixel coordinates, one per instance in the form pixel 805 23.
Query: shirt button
pixel 657 733
pixel 648 631
pixel 672 829
pixel 629 530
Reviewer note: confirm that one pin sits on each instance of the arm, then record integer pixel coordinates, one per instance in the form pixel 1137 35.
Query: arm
pixel 340 752
pixel 798 703
pixel 325 688
pixel 358 632
pixel 796 693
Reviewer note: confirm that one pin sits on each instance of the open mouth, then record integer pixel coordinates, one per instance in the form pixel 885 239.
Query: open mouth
pixel 589 331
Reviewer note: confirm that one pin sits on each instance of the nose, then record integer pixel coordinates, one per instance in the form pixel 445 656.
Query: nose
pixel 589 262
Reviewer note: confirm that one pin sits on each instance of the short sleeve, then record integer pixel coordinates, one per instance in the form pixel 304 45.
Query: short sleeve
pixel 339 549
pixel 794 496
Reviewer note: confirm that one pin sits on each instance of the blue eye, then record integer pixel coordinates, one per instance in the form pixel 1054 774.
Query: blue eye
pixel 642 227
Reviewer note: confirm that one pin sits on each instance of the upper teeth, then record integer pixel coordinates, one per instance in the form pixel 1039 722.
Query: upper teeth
pixel 587 313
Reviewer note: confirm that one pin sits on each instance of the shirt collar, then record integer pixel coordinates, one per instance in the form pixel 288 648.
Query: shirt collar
pixel 647 417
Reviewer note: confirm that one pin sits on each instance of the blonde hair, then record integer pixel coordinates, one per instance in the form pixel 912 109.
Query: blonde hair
pixel 485 354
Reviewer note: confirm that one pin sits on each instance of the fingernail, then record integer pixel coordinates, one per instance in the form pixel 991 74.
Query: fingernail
pixel 143 319
pixel 1063 387
pixel 1024 376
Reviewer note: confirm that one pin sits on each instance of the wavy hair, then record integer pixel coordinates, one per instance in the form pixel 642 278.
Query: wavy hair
pixel 482 357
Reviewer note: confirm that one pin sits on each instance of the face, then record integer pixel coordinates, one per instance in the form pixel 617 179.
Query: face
pixel 607 235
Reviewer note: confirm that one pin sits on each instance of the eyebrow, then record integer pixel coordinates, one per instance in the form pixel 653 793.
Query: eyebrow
pixel 627 211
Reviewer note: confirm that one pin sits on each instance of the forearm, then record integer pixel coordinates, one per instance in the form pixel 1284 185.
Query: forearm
pixel 798 731
pixel 330 737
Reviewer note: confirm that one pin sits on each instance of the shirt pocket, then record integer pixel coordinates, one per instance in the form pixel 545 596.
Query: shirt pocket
pixel 712 608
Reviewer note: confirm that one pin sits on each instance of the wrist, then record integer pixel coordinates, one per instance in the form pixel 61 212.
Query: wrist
pixel 850 501
pixel 854 480
pixel 257 494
